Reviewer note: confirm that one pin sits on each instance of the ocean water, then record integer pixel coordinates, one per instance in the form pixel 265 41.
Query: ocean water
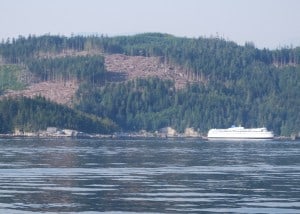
pixel 148 176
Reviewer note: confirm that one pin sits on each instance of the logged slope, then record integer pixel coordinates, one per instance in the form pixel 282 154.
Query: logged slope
pixel 133 67
pixel 59 92
pixel 153 80
pixel 119 67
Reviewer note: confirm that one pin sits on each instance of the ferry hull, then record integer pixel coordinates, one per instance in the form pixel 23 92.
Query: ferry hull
pixel 240 133
pixel 237 139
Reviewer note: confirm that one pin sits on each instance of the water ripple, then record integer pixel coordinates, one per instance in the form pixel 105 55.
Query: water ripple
pixel 168 176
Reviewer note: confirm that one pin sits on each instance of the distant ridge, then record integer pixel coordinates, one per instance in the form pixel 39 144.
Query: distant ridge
pixel 153 80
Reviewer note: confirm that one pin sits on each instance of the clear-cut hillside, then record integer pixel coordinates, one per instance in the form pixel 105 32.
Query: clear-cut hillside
pixel 142 67
pixel 59 92
pixel 120 68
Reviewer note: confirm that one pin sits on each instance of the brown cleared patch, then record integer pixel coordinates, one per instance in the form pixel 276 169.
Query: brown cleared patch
pixel 119 68
pixel 144 67
pixel 59 92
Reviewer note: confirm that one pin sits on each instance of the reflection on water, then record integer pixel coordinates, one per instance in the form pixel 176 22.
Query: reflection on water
pixel 153 176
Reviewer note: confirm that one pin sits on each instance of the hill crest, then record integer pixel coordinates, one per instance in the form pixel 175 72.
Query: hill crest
pixel 120 68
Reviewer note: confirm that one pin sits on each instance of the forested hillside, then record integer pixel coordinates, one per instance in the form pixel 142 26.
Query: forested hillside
pixel 37 114
pixel 229 83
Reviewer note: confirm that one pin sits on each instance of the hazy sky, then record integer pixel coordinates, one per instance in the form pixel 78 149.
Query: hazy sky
pixel 267 23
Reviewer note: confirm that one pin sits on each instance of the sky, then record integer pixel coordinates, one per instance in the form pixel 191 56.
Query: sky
pixel 267 23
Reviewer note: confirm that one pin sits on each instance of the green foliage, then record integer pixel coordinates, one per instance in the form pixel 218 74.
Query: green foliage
pixel 153 104
pixel 239 84
pixel 21 49
pixel 38 114
pixel 10 77
pixel 133 105
pixel 89 68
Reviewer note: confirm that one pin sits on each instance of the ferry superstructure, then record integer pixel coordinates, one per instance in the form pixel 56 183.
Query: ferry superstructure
pixel 240 133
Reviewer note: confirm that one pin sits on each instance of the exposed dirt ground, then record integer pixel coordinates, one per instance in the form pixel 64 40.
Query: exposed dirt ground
pixel 59 92
pixel 120 68
pixel 141 67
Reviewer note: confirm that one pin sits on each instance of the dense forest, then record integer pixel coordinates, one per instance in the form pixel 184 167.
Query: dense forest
pixel 9 78
pixel 235 84
pixel 90 68
pixel 37 114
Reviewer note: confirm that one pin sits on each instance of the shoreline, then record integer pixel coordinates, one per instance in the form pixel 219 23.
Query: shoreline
pixel 116 136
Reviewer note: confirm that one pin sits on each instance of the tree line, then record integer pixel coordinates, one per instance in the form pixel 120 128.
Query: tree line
pixel 81 68
pixel 154 103
pixel 38 113
pixel 239 84
pixel 187 50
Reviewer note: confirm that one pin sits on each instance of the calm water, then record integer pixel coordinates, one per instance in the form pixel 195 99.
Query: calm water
pixel 152 176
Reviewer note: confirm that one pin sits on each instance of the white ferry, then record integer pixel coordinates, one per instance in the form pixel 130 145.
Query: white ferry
pixel 240 133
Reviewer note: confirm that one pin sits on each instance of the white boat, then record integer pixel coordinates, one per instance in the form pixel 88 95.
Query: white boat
pixel 240 133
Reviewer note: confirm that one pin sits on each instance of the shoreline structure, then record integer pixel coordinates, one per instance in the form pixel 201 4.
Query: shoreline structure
pixel 168 132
